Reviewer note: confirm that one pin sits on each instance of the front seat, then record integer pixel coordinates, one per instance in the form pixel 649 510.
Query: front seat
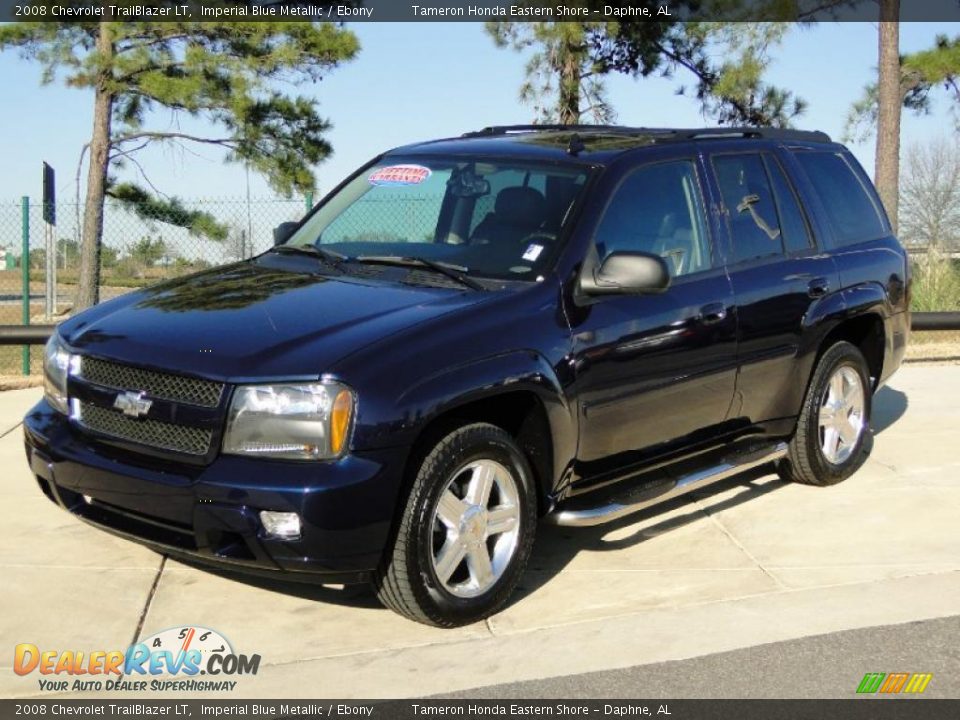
pixel 675 245
pixel 517 212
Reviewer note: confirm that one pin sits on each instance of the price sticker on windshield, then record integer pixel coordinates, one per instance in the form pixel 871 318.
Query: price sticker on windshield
pixel 399 175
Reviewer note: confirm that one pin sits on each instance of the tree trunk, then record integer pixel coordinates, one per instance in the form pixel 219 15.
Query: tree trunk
pixel 889 105
pixel 88 290
pixel 569 95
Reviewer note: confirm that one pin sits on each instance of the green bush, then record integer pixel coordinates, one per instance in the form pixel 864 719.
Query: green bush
pixel 936 283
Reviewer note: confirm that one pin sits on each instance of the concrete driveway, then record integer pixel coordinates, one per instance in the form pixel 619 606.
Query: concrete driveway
pixel 744 563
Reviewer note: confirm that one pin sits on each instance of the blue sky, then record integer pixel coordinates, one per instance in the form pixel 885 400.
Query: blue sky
pixel 419 81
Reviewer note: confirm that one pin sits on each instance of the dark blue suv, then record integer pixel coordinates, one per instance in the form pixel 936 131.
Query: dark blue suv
pixel 472 335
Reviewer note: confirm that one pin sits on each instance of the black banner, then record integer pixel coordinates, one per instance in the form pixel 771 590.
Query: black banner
pixel 857 709
pixel 49 195
pixel 479 10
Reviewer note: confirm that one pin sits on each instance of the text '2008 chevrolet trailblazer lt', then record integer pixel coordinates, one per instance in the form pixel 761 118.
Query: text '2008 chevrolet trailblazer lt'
pixel 473 335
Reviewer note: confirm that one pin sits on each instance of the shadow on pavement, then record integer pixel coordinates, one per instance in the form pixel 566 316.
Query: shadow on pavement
pixel 556 547
pixel 350 595
pixel 889 405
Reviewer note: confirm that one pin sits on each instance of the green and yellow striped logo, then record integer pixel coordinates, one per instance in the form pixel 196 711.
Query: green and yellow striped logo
pixel 891 683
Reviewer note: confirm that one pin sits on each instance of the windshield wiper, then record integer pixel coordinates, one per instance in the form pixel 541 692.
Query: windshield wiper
pixel 328 256
pixel 454 272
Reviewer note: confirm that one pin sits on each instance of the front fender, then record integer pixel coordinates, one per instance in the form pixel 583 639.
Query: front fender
pixel 519 371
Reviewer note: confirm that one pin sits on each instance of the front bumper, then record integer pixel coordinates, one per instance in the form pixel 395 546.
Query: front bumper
pixel 211 513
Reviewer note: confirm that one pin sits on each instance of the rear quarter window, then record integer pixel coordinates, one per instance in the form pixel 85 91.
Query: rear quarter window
pixel 850 208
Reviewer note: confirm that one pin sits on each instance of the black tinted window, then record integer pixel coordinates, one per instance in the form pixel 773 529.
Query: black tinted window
pixel 849 207
pixel 746 192
pixel 793 224
pixel 657 210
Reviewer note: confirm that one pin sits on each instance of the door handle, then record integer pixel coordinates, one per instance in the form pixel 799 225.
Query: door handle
pixel 818 287
pixel 712 313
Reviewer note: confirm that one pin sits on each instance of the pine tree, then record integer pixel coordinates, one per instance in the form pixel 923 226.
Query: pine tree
pixel 561 82
pixel 725 61
pixel 225 73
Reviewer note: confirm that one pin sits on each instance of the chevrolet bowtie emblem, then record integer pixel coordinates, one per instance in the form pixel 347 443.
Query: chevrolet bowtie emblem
pixel 132 404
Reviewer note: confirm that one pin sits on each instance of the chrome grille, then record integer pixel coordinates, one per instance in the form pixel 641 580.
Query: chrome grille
pixel 154 433
pixel 164 386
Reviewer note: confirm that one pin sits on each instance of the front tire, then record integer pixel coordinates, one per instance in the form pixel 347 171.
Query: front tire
pixel 832 437
pixel 466 532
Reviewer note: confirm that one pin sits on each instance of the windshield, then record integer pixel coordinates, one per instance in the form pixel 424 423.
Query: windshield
pixel 489 219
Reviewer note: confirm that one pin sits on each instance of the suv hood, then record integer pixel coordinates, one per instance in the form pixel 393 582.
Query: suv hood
pixel 252 322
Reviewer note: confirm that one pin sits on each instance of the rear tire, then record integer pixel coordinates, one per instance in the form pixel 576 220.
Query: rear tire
pixel 466 532
pixel 832 439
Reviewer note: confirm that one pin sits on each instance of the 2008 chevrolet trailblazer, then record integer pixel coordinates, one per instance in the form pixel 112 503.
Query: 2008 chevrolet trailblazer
pixel 470 336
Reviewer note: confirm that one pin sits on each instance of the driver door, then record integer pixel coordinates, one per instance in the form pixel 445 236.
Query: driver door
pixel 655 373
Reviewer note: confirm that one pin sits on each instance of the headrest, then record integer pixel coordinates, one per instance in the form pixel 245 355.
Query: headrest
pixel 520 205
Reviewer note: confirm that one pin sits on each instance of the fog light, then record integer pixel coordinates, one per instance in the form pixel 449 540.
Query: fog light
pixel 88 500
pixel 283 525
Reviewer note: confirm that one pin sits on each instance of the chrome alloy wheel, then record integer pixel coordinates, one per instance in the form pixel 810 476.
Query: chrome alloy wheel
pixel 476 528
pixel 841 420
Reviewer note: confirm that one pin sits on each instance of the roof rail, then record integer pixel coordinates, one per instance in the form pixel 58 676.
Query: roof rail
pixel 671 134
pixel 766 133
pixel 506 129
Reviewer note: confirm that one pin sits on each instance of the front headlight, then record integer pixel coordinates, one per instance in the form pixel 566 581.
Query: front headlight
pixel 297 422
pixel 57 363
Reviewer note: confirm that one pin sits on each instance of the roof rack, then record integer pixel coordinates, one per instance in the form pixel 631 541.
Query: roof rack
pixel 765 133
pixel 507 129
pixel 669 134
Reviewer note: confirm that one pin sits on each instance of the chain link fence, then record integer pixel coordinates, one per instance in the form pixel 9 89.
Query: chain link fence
pixel 146 244
pixel 142 245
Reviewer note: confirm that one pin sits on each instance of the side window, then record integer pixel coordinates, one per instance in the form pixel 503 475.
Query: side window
pixel 793 223
pixel 745 188
pixel 850 209
pixel 658 210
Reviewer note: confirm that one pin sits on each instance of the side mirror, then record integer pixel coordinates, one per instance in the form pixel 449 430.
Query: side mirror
pixel 626 273
pixel 283 231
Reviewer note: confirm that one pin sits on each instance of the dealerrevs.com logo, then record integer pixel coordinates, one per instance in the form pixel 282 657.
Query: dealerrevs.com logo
pixel 181 659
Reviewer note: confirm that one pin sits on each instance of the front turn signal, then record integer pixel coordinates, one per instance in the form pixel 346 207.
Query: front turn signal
pixel 340 418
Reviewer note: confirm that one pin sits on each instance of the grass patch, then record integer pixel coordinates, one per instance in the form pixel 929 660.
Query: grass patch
pixel 112 280
pixel 11 359
pixel 936 283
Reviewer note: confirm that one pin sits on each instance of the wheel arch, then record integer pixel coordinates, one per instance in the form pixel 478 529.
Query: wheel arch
pixel 517 391
pixel 858 315
pixel 520 413
pixel 867 332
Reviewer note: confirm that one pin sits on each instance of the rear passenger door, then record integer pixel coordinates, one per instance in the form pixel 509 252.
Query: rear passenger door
pixel 778 274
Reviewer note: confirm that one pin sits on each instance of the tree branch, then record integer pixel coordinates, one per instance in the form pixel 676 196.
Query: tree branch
pixel 147 68
pixel 149 43
pixel 149 182
pixel 127 153
pixel 83 152
pixel 152 135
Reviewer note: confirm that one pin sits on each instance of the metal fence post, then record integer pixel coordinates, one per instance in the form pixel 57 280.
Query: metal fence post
pixel 25 273
pixel 308 200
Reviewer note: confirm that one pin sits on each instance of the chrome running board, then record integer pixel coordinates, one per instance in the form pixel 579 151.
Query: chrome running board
pixel 587 517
